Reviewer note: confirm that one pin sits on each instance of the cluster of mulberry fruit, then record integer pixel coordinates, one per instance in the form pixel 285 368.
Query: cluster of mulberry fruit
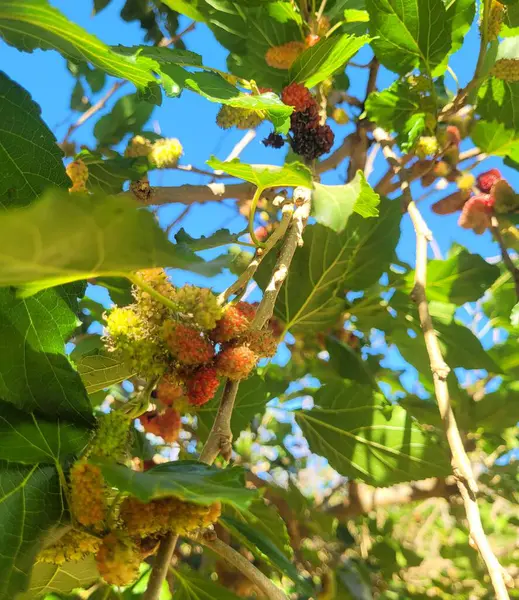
pixel 166 514
pixel 162 154
pixel 308 137
pixel 494 194
pixel 189 349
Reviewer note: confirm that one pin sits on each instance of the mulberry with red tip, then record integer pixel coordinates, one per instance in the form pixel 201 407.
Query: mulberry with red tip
pixel 476 213
pixel 166 425
pixel 234 322
pixel 488 179
pixel 202 386
pixel 236 362
pixel 187 344
pixel 298 96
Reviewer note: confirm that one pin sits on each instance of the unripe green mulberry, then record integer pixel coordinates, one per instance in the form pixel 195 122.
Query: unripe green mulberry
pixel 71 547
pixel 466 181
pixel 426 146
pixel 506 69
pixel 87 494
pixel 340 116
pixel 112 436
pixel 495 21
pixel 167 514
pixel 138 146
pixel 148 308
pixel 127 335
pixel 198 303
pixel 78 173
pixel 241 118
pixel 118 560
pixel 165 153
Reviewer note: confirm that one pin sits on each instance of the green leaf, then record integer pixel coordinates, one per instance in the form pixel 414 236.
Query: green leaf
pixel 30 159
pixel 109 174
pixel 30 438
pixel 462 277
pixel 328 263
pixel 353 15
pixel 499 410
pixel 31 504
pixel 425 411
pixel 128 115
pixel 47 578
pixel 187 8
pixel 251 399
pixel 187 479
pixel 494 138
pixel 366 438
pixel 349 364
pixel 498 101
pixel 35 374
pixel 111 235
pixel 409 34
pixel 222 237
pixel 32 24
pixel 100 371
pixel 191 586
pixel 501 300
pixel 321 61
pixel 264 533
pixel 265 176
pixel 399 109
pixel 332 205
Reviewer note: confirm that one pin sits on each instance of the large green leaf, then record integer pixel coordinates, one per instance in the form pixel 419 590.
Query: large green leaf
pixel 399 109
pixel 30 159
pixel 188 480
pixel 349 364
pixel 30 438
pixel 191 586
pixel 494 138
pixel 99 371
pixel 47 578
pixel 221 237
pixel 329 263
pixel 499 101
pixel 32 24
pixel 265 176
pixel 409 34
pixel 35 373
pixel 321 61
pixel 251 399
pixel 499 410
pixel 462 277
pixel 366 438
pixel 69 238
pixel 332 205
pixel 31 503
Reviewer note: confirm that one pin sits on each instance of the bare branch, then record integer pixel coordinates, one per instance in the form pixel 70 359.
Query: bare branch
pixel 244 566
pixel 336 158
pixel 460 461
pixel 160 567
pixel 192 194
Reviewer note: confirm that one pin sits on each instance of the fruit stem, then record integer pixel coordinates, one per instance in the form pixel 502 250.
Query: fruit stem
pixel 252 214
pixel 140 283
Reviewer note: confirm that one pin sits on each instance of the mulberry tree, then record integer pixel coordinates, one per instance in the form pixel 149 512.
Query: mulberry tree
pixel 286 369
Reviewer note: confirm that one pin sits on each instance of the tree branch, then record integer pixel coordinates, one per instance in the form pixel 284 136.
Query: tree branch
pixel 336 158
pixel 509 263
pixel 191 194
pixel 160 567
pixel 460 461
pixel 244 566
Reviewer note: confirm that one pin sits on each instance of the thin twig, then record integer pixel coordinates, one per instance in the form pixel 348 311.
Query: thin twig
pixel 460 461
pixel 95 108
pixel 509 263
pixel 239 147
pixel 192 169
pixel 180 217
pixel 173 40
pixel 244 566
pixel 160 567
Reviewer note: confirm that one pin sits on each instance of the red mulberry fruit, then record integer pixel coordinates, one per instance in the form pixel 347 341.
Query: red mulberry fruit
pixel 187 344
pixel 234 322
pixel 166 425
pixel 476 213
pixel 236 362
pixel 202 386
pixel 298 96
pixel 488 179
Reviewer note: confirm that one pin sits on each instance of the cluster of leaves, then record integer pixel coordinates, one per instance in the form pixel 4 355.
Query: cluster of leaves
pixel 349 326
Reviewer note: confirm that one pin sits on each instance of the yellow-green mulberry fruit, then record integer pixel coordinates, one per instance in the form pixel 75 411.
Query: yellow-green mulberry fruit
pixel 78 174
pixel 138 146
pixel 495 21
pixel 340 116
pixel 200 304
pixel 118 560
pixel 426 146
pixel 71 547
pixel 166 153
pixel 148 308
pixel 241 118
pixel 284 56
pixel 87 494
pixel 465 181
pixel 506 69
pixel 112 435
pixel 138 344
